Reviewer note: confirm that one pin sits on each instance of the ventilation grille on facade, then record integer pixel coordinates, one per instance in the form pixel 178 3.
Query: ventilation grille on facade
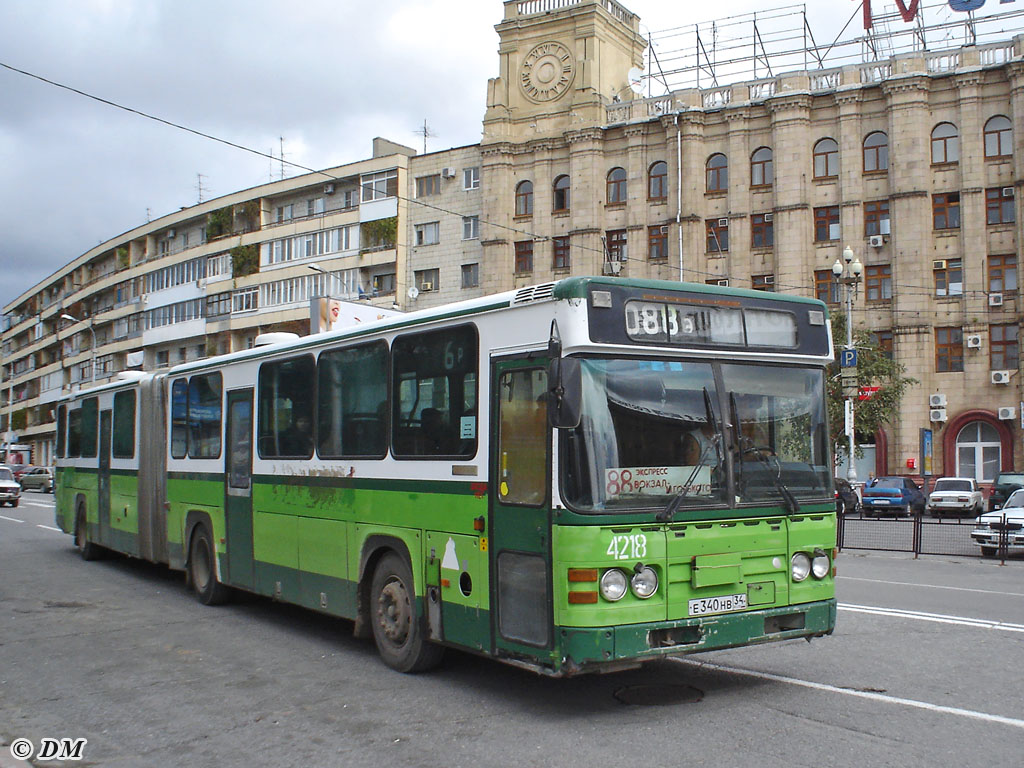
pixel 534 293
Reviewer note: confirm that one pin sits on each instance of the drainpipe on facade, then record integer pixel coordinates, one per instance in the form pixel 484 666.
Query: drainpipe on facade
pixel 679 191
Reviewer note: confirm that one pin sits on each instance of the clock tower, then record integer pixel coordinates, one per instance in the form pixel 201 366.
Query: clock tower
pixel 561 62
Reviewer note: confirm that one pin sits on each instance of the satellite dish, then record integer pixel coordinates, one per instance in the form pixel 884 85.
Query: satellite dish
pixel 413 293
pixel 636 81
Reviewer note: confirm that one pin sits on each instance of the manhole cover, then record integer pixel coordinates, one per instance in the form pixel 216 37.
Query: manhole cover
pixel 658 695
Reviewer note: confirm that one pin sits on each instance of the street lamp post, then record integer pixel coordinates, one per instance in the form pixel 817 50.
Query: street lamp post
pixel 92 364
pixel 848 275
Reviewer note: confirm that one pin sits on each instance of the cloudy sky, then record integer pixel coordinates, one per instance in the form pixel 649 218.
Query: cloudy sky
pixel 326 76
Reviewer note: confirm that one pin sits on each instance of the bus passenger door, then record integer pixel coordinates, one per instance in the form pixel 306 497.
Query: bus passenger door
pixel 520 524
pixel 103 479
pixel 238 488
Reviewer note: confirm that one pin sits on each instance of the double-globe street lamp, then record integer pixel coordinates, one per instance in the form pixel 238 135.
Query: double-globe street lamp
pixel 848 276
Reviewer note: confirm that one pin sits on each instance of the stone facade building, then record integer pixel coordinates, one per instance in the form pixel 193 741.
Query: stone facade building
pixel 914 163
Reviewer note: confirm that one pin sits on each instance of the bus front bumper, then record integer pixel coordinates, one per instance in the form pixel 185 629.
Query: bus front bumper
pixel 588 649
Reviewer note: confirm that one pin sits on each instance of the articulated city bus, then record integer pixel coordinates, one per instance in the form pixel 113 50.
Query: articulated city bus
pixel 577 476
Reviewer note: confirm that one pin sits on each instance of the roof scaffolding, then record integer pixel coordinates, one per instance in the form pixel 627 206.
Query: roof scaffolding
pixel 763 44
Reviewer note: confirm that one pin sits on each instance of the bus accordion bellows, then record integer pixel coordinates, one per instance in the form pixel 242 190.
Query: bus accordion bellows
pixel 578 476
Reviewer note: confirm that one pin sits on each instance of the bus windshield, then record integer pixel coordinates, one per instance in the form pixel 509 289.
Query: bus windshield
pixel 652 431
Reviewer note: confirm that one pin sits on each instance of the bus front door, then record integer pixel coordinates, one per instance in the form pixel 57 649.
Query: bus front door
pixel 103 479
pixel 238 488
pixel 520 524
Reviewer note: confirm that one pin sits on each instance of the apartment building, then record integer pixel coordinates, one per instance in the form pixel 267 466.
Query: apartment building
pixel 913 162
pixel 205 280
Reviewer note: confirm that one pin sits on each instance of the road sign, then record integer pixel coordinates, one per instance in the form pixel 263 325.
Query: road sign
pixel 848 358
pixel 866 393
pixel 847 381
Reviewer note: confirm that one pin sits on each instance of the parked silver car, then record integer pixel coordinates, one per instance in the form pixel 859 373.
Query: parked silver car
pixel 10 491
pixel 40 478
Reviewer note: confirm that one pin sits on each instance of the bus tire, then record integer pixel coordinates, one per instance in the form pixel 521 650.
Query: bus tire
pixel 397 631
pixel 86 548
pixel 202 569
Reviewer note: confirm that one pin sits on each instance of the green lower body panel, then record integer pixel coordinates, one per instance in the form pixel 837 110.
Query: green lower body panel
pixel 589 649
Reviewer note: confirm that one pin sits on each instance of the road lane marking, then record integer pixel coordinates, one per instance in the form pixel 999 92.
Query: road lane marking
pixel 49 528
pixel 938 618
pixel 12 519
pixel 870 695
pixel 932 586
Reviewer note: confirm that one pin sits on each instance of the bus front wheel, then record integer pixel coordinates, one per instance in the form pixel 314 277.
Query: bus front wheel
pixel 202 569
pixel 399 634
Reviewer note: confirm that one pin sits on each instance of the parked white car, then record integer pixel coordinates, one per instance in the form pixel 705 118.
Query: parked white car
pixel 991 524
pixel 10 490
pixel 958 496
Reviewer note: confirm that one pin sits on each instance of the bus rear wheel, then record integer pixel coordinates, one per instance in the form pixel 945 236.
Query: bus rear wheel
pixel 399 634
pixel 202 569
pixel 86 548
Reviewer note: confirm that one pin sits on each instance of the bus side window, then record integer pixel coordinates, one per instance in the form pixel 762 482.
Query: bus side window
pixel 434 411
pixel 286 399
pixel 124 425
pixel 62 426
pixel 90 425
pixel 352 396
pixel 204 409
pixel 75 433
pixel 179 419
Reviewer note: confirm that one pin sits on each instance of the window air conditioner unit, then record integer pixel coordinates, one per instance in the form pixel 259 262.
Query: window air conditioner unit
pixel 876 241
pixel 1000 377
pixel 937 414
pixel 1007 191
pixel 995 299
pixel 664 230
pixel 939 264
pixel 768 217
pixel 426 287
pixel 723 282
pixel 769 279
pixel 1007 412
pixel 723 222
pixel 328 189
pixel 974 341
pixel 170 233
pixel 937 400
pixel 448 173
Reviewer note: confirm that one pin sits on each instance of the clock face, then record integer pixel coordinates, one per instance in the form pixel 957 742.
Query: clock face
pixel 547 72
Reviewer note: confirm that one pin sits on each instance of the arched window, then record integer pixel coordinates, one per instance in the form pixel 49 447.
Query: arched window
pixel 524 198
pixel 945 144
pixel 876 152
pixel 826 159
pixel 616 186
pixel 560 188
pixel 761 172
pixel 657 181
pixel 978 452
pixel 717 173
pixel 998 137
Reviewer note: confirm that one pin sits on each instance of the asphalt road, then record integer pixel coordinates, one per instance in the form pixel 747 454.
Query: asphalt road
pixel 923 670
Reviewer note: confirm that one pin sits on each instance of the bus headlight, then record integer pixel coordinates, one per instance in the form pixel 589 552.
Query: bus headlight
pixel 800 566
pixel 644 582
pixel 820 564
pixel 613 585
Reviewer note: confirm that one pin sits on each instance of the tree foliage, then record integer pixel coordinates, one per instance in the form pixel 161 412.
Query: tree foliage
pixel 874 369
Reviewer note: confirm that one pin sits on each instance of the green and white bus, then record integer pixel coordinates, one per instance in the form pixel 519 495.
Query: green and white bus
pixel 576 476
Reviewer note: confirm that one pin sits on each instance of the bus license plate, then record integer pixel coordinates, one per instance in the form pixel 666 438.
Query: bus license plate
pixel 724 604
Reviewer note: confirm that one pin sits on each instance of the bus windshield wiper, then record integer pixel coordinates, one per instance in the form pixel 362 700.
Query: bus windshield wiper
pixel 669 512
pixel 789 500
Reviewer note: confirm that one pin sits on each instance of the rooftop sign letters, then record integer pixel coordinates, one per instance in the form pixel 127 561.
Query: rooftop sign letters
pixel 908 8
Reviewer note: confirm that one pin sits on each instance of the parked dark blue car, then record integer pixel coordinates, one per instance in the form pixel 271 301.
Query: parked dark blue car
pixel 892 496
